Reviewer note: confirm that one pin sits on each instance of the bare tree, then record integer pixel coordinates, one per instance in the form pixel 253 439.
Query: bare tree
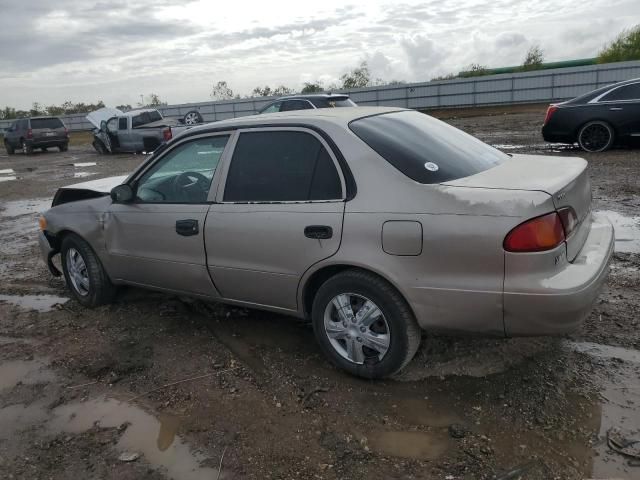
pixel 221 91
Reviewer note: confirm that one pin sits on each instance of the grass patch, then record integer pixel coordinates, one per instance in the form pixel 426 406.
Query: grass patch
pixel 80 138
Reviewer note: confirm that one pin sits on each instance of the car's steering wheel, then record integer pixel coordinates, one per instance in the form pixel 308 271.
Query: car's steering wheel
pixel 191 186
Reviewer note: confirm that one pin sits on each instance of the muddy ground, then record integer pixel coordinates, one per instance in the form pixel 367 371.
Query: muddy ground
pixel 156 386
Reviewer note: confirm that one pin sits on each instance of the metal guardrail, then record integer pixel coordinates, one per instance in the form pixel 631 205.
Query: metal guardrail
pixel 503 89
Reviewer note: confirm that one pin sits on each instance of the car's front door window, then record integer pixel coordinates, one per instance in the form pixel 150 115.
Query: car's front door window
pixel 274 107
pixel 184 174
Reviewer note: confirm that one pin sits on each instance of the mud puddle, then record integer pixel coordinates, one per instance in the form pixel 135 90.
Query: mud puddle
pixel 40 303
pixel 627 231
pixel 25 207
pixel 28 372
pixel 620 408
pixel 416 445
pixel 155 439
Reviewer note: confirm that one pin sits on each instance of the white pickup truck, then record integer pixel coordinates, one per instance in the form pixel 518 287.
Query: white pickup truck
pixel 140 130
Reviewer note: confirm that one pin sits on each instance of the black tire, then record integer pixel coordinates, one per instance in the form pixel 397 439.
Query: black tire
pixel 26 148
pixel 100 148
pixel 44 149
pixel 192 117
pixel 10 150
pixel 596 136
pixel 403 330
pixel 64 147
pixel 100 289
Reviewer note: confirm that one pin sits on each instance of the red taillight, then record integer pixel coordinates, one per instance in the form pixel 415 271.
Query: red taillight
pixel 550 111
pixel 66 132
pixel 536 235
pixel 166 134
pixel 29 133
pixel 569 220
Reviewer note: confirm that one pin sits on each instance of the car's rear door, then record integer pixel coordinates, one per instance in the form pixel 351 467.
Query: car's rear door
pixel 157 240
pixel 280 211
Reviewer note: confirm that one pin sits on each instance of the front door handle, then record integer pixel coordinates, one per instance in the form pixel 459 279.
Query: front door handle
pixel 318 232
pixel 187 228
pixel 615 109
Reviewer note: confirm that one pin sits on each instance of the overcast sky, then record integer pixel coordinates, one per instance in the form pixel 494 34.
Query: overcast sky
pixel 114 50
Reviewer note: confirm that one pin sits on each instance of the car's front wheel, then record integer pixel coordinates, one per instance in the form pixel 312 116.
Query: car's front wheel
pixel 84 274
pixel 596 136
pixel 363 325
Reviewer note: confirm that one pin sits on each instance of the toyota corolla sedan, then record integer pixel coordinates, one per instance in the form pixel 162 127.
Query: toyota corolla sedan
pixel 374 223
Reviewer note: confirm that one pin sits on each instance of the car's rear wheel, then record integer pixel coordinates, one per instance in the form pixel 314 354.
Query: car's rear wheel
pixel 84 274
pixel 26 148
pixel 192 118
pixel 44 149
pixel 64 147
pixel 596 136
pixel 363 325
pixel 10 150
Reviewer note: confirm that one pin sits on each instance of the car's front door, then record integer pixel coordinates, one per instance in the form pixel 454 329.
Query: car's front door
pixel 124 134
pixel 157 240
pixel 279 213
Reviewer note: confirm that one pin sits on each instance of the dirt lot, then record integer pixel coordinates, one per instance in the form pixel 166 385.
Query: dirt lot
pixel 156 386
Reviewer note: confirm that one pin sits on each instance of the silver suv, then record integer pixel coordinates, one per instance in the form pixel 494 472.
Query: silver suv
pixel 28 134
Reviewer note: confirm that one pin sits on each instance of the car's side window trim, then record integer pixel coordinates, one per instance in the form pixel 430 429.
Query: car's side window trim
pixel 602 95
pixel 316 135
pixel 133 179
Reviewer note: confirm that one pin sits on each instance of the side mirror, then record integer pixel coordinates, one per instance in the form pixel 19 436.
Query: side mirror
pixel 122 194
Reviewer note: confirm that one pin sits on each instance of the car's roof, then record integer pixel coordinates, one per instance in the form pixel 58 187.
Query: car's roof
pixel 313 95
pixel 341 116
pixel 586 97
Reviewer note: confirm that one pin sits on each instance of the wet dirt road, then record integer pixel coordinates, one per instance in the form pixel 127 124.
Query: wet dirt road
pixel 157 387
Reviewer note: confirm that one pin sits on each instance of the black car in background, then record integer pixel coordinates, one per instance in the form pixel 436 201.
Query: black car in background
pixel 27 134
pixel 598 119
pixel 305 102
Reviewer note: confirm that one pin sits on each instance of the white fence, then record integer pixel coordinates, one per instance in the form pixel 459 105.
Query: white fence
pixel 504 89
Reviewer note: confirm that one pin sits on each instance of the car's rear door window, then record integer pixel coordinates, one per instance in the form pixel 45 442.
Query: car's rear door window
pixel 291 105
pixel 626 92
pixel 273 108
pixel 51 123
pixel 424 148
pixel 281 166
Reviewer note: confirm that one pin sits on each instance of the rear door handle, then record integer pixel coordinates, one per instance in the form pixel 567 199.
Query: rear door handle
pixel 187 228
pixel 615 109
pixel 319 232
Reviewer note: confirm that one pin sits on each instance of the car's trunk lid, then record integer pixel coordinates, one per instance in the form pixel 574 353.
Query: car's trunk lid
pixel 565 179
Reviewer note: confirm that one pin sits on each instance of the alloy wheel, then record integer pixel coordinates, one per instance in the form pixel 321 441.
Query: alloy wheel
pixel 192 118
pixel 595 137
pixel 78 274
pixel 356 328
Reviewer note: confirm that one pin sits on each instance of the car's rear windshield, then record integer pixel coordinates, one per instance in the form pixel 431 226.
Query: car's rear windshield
pixel 425 149
pixel 333 102
pixel 46 123
pixel 144 118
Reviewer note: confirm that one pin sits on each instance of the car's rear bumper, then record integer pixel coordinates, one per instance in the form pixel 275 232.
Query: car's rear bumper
pixel 558 302
pixel 47 142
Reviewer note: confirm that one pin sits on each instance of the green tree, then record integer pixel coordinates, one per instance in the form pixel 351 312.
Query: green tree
pixel 625 47
pixel 221 91
pixel 125 107
pixel 357 78
pixel 473 70
pixel 154 100
pixel 37 109
pixel 267 91
pixel 312 87
pixel 534 59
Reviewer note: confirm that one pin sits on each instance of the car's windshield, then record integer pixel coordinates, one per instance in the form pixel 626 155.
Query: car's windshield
pixel 37 123
pixel 424 148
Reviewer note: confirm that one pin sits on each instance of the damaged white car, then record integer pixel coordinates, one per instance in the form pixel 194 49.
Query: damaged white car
pixel 135 131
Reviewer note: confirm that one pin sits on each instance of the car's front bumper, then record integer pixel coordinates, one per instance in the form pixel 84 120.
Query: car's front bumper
pixel 559 301
pixel 48 252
